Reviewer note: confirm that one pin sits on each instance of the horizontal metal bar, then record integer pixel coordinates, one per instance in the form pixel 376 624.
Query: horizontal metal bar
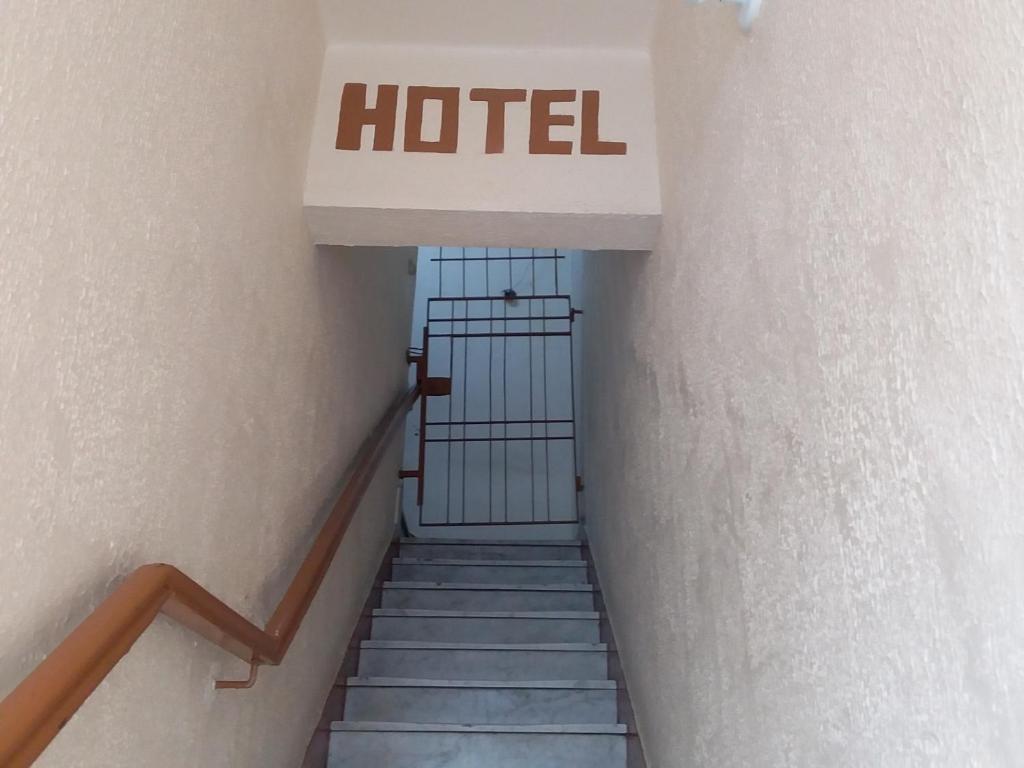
pixel 510 335
pixel 495 423
pixel 538 439
pixel 501 258
pixel 501 319
pixel 573 521
pixel 535 297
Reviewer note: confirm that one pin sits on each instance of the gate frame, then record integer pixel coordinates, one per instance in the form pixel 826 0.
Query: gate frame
pixel 442 387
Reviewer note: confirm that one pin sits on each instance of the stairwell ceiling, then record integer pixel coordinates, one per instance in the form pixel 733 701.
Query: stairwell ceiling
pixel 625 24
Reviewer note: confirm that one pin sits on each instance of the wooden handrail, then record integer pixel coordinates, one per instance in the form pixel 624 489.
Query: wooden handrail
pixel 34 713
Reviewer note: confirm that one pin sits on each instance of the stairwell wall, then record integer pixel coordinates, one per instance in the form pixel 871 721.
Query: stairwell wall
pixel 183 377
pixel 805 409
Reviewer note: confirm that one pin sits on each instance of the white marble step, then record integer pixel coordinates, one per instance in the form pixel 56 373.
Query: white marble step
pixel 487 597
pixel 463 549
pixel 485 627
pixel 474 702
pixel 490 571
pixel 483 661
pixel 404 745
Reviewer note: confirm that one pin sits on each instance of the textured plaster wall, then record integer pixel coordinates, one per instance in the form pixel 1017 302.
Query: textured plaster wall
pixel 806 407
pixel 183 378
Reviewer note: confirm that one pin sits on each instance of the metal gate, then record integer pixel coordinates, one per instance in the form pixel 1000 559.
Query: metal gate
pixel 500 449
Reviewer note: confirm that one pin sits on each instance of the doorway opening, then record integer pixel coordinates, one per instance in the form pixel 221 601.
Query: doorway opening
pixel 498 455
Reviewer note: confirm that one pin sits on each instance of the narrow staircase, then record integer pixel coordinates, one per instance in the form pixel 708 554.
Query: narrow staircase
pixel 483 655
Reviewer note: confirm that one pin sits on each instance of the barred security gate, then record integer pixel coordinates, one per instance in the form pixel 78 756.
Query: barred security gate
pixel 500 448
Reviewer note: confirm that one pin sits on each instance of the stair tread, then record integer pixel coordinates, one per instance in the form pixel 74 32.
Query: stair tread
pixel 492 563
pixel 415 644
pixel 495 543
pixel 582 730
pixel 407 682
pixel 487 587
pixel 550 720
pixel 419 613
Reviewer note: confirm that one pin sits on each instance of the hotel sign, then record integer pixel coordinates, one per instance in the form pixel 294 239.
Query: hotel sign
pixel 548 109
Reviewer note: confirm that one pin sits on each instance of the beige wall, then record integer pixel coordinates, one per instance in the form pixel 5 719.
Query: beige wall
pixel 806 407
pixel 182 377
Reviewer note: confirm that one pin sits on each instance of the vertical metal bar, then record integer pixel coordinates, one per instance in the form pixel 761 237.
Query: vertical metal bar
pixel 572 394
pixel 465 380
pixel 504 375
pixel 423 418
pixel 490 391
pixel 547 449
pixel 557 265
pixel 451 398
pixel 533 471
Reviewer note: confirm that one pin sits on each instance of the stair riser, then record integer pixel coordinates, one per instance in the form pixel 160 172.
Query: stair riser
pixel 487 600
pixel 467 706
pixel 485 630
pixel 432 664
pixel 489 574
pixel 420 750
pixel 490 552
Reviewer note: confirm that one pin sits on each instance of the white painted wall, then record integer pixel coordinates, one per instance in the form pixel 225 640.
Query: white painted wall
pixel 806 422
pixel 540 486
pixel 533 24
pixel 503 200
pixel 183 378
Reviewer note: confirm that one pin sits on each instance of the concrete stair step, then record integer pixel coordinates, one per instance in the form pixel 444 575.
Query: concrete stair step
pixel 475 702
pixel 404 745
pixel 490 571
pixel 486 627
pixel 483 661
pixel 463 549
pixel 486 597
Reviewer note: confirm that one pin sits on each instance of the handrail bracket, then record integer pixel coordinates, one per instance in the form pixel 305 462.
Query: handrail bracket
pixel 239 685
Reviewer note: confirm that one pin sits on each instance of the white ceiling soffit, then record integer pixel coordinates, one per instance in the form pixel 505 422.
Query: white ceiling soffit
pixel 624 24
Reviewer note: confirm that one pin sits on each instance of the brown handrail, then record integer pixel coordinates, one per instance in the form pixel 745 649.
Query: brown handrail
pixel 34 713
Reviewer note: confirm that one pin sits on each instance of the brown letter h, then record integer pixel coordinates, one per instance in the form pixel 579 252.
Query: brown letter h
pixel 355 115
